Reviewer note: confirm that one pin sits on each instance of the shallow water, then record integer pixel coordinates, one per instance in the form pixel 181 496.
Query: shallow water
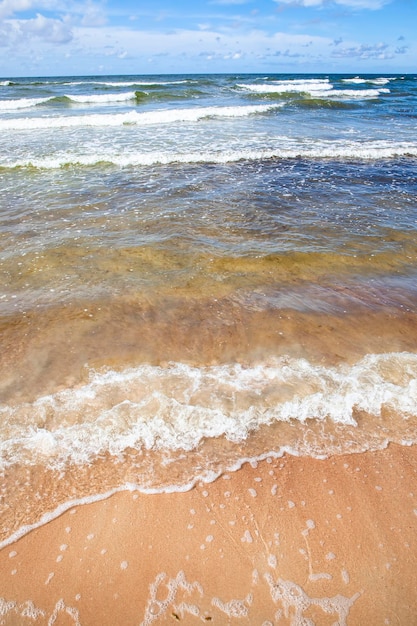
pixel 209 270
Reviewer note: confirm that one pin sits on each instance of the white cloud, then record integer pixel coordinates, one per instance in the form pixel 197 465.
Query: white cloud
pixel 364 51
pixel 209 44
pixel 92 15
pixel 88 12
pixel 80 31
pixel 48 29
pixel 229 2
pixel 54 29
pixel 10 7
pixel 303 3
pixel 354 4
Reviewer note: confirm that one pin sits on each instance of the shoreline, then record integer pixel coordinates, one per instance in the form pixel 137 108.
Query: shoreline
pixel 278 541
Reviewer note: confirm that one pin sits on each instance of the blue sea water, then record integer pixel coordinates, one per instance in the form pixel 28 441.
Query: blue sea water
pixel 197 270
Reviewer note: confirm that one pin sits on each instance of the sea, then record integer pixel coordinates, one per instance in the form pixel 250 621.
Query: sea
pixel 197 271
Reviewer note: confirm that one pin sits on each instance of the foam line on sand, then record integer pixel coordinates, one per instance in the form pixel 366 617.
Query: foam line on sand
pixel 284 541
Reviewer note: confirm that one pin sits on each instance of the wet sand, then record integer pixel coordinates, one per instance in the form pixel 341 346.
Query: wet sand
pixel 287 541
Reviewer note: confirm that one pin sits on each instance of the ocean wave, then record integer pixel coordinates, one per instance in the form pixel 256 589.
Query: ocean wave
pixel 357 93
pixel 90 81
pixel 177 406
pixel 295 86
pixel 26 103
pixel 102 98
pixel 315 150
pixel 132 83
pixel 320 89
pixel 373 81
pixel 165 429
pixel 22 103
pixel 150 83
pixel 161 116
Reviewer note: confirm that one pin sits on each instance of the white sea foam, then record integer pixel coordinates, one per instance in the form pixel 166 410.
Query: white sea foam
pixel 132 83
pixel 319 149
pixel 296 601
pixel 27 103
pixel 354 81
pixel 296 86
pixel 206 477
pixel 102 98
pixel 316 89
pixel 21 103
pixel 372 81
pixel 176 407
pixel 160 116
pixel 348 94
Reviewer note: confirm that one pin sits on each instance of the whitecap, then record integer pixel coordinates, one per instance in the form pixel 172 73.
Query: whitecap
pixel 21 103
pixel 102 98
pixel 159 116
pixel 177 406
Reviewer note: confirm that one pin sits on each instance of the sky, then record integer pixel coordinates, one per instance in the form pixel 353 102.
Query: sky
pixel 99 37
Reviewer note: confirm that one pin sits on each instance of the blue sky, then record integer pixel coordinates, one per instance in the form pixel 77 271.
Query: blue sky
pixel 74 37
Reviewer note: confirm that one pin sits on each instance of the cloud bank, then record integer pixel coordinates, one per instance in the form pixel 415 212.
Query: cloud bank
pixel 58 36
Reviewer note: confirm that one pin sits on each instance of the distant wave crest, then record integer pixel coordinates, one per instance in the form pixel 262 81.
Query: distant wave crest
pixel 102 98
pixel 314 88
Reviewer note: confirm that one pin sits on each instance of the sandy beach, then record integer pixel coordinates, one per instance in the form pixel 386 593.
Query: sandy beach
pixel 283 541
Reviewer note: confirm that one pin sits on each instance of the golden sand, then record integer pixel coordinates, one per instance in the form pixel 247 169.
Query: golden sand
pixel 291 541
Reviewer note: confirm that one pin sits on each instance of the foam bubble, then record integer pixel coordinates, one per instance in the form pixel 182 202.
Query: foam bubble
pixel 292 596
pixel 177 406
pixel 272 561
pixel 320 576
pixel 233 608
pixel 247 537
pixel 25 609
pixel 156 608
